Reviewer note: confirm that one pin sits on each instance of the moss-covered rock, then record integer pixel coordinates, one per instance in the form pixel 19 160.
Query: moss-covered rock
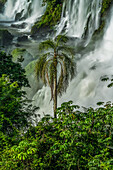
pixel 3 1
pixel 16 53
pixel 50 18
pixel 20 54
pixel 30 68
pixel 105 6
pixel 53 13
pixel 104 16
pixel 34 83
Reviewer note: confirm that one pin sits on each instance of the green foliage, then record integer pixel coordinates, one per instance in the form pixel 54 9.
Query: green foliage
pixel 51 16
pixel 2 1
pixel 13 70
pixel 105 5
pixel 45 67
pixel 107 78
pixel 15 109
pixel 15 112
pixel 16 53
pixel 75 140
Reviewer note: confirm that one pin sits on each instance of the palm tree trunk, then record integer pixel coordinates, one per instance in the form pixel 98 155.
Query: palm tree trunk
pixel 55 96
pixel 55 88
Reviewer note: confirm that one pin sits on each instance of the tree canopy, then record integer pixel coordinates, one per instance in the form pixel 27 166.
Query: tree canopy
pixel 75 140
pixel 12 69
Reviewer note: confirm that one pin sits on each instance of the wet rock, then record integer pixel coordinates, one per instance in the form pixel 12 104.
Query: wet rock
pixel 5 37
pixel 17 45
pixel 23 38
pixel 19 15
pixel 19 26
pixel 42 31
pixel 1 7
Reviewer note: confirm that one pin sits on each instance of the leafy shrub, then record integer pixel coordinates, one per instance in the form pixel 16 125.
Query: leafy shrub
pixel 14 70
pixel 73 140
pixel 15 112
pixel 15 109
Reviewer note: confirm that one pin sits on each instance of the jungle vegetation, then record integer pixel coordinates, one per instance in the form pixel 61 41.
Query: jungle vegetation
pixel 73 139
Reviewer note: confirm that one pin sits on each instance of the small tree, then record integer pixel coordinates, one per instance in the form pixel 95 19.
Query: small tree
pixel 55 67
pixel 13 70
pixel 15 112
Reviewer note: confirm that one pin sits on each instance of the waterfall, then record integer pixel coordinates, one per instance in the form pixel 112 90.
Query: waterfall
pixel 79 16
pixel 27 11
pixel 86 89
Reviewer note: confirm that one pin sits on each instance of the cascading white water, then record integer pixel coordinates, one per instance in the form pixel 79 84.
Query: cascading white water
pixel 86 89
pixel 79 15
pixel 28 11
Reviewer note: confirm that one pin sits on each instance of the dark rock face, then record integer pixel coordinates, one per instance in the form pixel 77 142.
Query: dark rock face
pixel 18 16
pixel 1 7
pixel 19 26
pixel 23 38
pixel 40 32
pixel 5 37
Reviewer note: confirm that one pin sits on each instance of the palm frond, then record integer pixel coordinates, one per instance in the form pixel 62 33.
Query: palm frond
pixel 46 45
pixel 66 49
pixel 68 72
pixel 39 66
pixel 45 76
pixel 40 63
pixel 62 62
pixel 61 39
pixel 70 66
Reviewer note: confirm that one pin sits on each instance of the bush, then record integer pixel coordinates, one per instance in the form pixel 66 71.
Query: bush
pixel 14 70
pixel 15 112
pixel 15 109
pixel 73 140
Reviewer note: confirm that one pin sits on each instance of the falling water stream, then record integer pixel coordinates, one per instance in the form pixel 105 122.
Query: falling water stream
pixel 27 11
pixel 86 89
pixel 78 17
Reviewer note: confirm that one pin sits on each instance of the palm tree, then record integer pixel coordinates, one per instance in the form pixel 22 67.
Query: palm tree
pixel 55 67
